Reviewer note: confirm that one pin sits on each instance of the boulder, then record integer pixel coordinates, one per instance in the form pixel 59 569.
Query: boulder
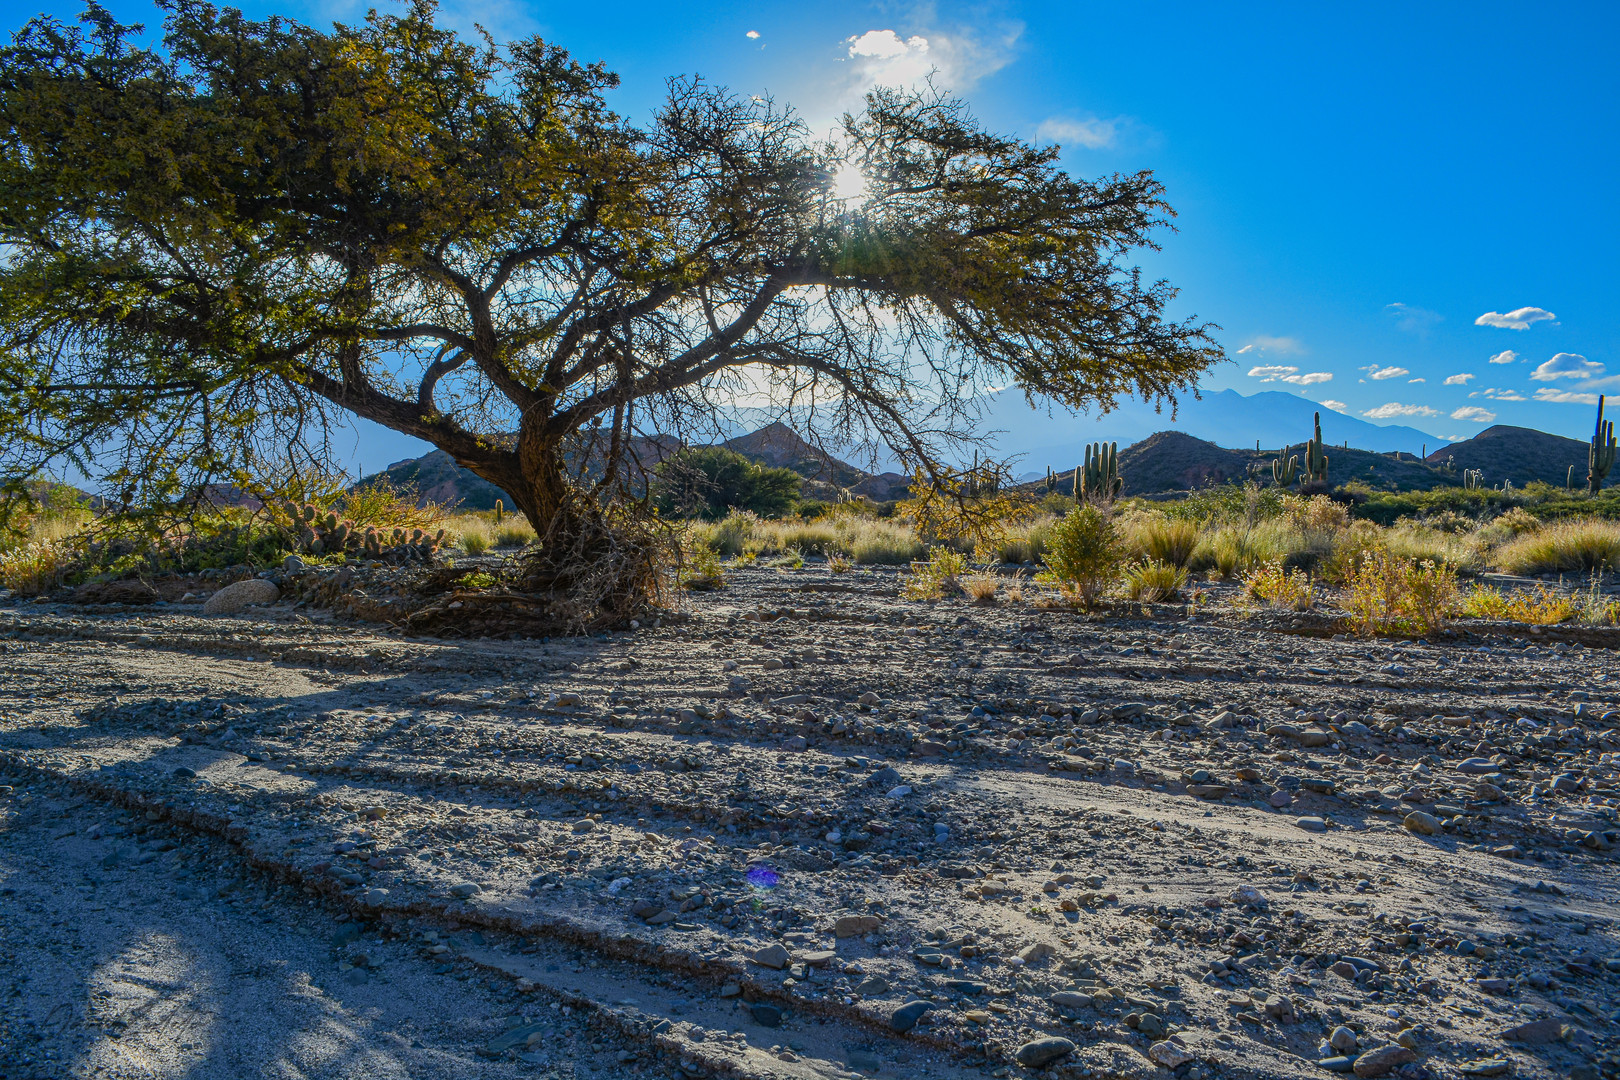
pixel 235 597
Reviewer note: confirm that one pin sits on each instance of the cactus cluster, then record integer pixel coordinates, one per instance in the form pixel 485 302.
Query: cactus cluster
pixel 1473 478
pixel 1600 455
pixel 1098 480
pixel 322 532
pixel 1285 470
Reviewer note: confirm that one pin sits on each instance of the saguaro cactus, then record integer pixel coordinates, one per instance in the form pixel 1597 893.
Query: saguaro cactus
pixel 1316 462
pixel 1098 480
pixel 1473 478
pixel 1600 455
pixel 1285 470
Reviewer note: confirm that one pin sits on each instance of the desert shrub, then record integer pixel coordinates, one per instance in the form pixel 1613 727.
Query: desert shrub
pixel 1154 581
pixel 981 588
pixel 1541 606
pixel 513 533
pixel 1350 548
pixel 708 482
pixel 1421 544
pixel 1287 589
pixel 1026 543
pixel 839 564
pixel 1235 551
pixel 473 533
pixel 1580 545
pixel 1170 542
pixel 1084 553
pixel 1315 514
pixel 35 568
pixel 807 537
pixel 385 505
pixel 1246 503
pixel 700 563
pixel 939 576
pixel 1386 592
pixel 728 535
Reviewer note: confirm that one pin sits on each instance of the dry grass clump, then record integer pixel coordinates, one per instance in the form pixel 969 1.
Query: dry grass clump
pixel 981 588
pixel 1154 581
pixel 1541 606
pixel 1580 545
pixel 1423 544
pixel 940 576
pixel 1026 543
pixel 34 568
pixel 1160 539
pixel 864 541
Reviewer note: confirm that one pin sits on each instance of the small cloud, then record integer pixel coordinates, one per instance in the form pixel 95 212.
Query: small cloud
pixel 1395 408
pixel 1567 365
pixel 1336 406
pixel 1474 413
pixel 1505 395
pixel 1565 397
pixel 1378 374
pixel 752 35
pixel 1458 380
pixel 886 45
pixel 1414 320
pixel 1282 346
pixel 1517 319
pixel 1091 132
pixel 1417 380
pixel 1506 356
pixel 1288 373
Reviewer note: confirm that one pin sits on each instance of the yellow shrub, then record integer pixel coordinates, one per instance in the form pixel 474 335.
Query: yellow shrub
pixel 1290 590
pixel 1579 545
pixel 1541 606
pixel 34 569
pixel 1387 592
pixel 1153 581
pixel 937 577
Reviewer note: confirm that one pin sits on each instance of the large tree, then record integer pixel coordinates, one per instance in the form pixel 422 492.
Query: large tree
pixel 211 250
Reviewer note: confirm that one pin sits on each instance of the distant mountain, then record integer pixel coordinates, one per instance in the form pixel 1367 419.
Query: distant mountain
pixel 437 478
pixel 1504 452
pixel 779 446
pixel 1224 417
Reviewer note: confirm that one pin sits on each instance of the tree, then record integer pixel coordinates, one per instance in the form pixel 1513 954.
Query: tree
pixel 216 249
pixel 709 481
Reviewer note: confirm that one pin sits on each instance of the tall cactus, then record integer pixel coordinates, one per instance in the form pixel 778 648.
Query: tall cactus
pixel 1473 478
pixel 1285 470
pixel 1600 455
pixel 1316 462
pixel 1098 480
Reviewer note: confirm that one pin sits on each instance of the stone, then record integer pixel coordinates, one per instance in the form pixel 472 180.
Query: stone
pixel 906 1016
pixel 1487 1067
pixel 584 825
pixel 1311 824
pixel 1537 1032
pixel 1382 1060
pixel 464 890
pixel 1477 766
pixel 518 1036
pixel 848 926
pixel 771 956
pixel 1342 1039
pixel 1070 999
pixel 1280 798
pixel 1152 1026
pixel 234 598
pixel 766 1014
pixel 1422 824
pixel 873 986
pixel 375 897
pixel 1168 1054
pixel 816 957
pixel 1034 954
pixel 1039 1052
pixel 1208 791
pixel 1338 1063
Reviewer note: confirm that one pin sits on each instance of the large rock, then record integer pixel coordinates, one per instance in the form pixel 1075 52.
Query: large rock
pixel 1038 1052
pixel 771 956
pixel 906 1016
pixel 1382 1060
pixel 233 598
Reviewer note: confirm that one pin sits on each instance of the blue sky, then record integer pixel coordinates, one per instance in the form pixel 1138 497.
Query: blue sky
pixel 1406 211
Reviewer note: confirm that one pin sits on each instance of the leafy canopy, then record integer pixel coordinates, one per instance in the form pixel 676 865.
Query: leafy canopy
pixel 710 481
pixel 213 251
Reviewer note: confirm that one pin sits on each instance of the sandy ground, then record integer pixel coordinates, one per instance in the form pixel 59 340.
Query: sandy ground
pixel 1161 847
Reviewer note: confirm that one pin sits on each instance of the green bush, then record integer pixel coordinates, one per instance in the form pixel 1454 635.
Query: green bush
pixel 1084 553
pixel 710 481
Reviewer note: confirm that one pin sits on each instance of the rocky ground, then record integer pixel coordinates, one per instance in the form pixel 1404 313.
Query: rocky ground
pixel 810 829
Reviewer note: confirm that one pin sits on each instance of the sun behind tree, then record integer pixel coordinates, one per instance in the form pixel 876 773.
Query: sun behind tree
pixel 215 249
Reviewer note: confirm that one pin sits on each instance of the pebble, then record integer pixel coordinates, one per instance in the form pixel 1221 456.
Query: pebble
pixel 465 889
pixel 1168 1054
pixel 1422 824
pixel 1342 1039
pixel 771 956
pixel 906 1016
pixel 235 597
pixel 766 1014
pixel 1382 1060
pixel 1311 824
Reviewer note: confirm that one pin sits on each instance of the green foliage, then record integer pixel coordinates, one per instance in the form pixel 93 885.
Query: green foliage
pixel 1546 502
pixel 1153 582
pixel 1084 553
pixel 940 576
pixel 710 482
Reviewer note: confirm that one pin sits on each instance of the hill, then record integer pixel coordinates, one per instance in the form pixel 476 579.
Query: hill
pixel 1518 454
pixel 779 446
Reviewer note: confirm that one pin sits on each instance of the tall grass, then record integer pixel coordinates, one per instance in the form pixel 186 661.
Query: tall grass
pixel 1588 544
pixel 865 541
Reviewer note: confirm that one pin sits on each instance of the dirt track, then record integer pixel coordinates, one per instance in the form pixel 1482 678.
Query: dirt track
pixel 625 825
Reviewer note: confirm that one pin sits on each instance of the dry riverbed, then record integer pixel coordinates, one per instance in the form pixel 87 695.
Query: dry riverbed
pixel 809 830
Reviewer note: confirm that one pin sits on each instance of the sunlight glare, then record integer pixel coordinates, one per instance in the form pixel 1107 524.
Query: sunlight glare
pixel 849 185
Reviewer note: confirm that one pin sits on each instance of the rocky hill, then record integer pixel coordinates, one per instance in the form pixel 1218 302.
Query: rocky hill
pixel 779 446
pixel 1504 452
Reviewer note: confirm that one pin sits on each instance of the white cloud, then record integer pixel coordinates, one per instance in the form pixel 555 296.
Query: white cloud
pixel 1517 319
pixel 1504 395
pixel 1417 380
pixel 1266 343
pixel 1091 132
pixel 954 61
pixel 1413 319
pixel 1565 397
pixel 1379 374
pixel 1506 356
pixel 1567 365
pixel 1395 408
pixel 1474 413
pixel 1288 373
pixel 886 44
pixel 1458 380
pixel 1336 406
pixel 752 35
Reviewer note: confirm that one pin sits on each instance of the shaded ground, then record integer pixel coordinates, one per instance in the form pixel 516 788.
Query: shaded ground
pixel 1176 844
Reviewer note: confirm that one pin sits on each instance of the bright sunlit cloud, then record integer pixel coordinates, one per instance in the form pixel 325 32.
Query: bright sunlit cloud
pixel 1458 380
pixel 1379 374
pixel 1506 356
pixel 1288 373
pixel 1474 413
pixel 1567 365
pixel 1336 406
pixel 1565 397
pixel 1395 408
pixel 1517 319
pixel 1266 343
pixel 752 35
